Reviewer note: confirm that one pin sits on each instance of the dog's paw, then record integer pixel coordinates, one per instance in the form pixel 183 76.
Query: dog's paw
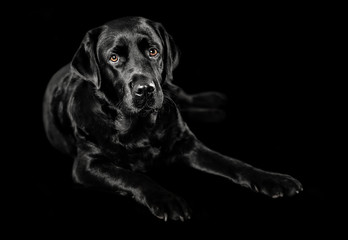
pixel 166 205
pixel 275 185
pixel 209 100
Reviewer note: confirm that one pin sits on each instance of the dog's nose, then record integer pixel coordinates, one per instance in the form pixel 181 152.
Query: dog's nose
pixel 143 89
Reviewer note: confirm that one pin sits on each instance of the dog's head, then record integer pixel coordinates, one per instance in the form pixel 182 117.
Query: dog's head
pixel 128 60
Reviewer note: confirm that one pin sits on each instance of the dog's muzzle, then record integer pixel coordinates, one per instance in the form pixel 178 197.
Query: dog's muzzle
pixel 144 92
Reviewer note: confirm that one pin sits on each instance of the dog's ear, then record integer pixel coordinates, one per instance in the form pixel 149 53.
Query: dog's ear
pixel 171 52
pixel 85 62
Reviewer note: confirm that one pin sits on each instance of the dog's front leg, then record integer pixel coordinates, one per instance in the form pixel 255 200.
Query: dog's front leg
pixel 272 184
pixel 94 169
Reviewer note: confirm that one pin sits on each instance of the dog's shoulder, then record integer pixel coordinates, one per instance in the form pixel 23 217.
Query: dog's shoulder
pixel 88 113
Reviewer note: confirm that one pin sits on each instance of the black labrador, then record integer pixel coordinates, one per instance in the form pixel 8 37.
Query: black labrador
pixel 114 110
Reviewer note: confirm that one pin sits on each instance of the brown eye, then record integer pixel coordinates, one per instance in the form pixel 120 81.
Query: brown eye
pixel 153 52
pixel 114 58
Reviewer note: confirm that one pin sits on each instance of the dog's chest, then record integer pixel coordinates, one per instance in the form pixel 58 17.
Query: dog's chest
pixel 142 154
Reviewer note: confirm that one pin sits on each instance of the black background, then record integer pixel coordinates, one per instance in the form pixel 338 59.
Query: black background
pixel 275 64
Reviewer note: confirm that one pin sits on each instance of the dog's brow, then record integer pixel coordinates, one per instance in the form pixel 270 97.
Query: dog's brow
pixel 148 36
pixel 145 31
pixel 107 41
pixel 147 42
pixel 122 41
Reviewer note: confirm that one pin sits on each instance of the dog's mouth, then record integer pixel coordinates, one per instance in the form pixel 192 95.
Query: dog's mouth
pixel 147 104
pixel 146 110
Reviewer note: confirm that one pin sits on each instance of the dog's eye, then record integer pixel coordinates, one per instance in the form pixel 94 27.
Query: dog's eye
pixel 114 58
pixel 153 52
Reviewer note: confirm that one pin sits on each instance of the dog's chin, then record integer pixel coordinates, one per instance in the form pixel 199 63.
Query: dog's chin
pixel 147 111
pixel 147 108
pixel 150 118
pixel 143 111
pixel 148 114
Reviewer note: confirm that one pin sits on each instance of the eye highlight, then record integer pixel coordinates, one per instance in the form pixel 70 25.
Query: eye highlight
pixel 114 58
pixel 153 52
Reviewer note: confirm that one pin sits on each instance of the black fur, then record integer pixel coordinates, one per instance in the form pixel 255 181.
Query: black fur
pixel 120 119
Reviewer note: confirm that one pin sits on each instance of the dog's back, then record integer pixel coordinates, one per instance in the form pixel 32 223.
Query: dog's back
pixel 55 114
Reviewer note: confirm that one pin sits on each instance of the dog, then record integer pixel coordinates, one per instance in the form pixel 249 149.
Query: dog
pixel 114 110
